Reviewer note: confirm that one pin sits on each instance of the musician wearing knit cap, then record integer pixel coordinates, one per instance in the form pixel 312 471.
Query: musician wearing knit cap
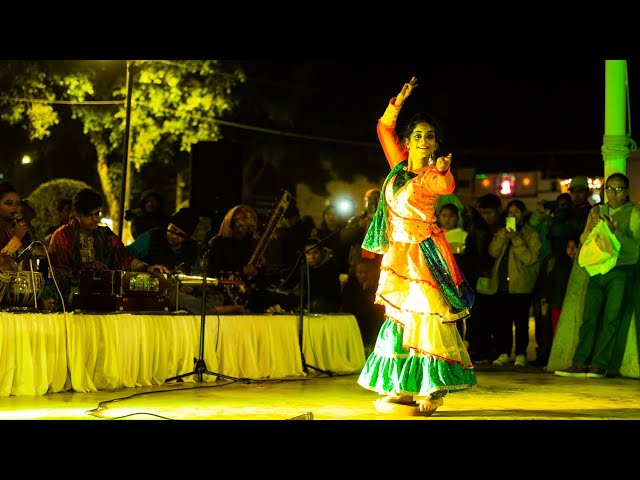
pixel 174 249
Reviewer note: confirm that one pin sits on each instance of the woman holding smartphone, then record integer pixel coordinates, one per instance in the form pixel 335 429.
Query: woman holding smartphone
pixel 516 248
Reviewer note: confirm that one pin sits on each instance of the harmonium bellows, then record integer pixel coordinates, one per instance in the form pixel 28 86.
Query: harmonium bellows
pixel 121 282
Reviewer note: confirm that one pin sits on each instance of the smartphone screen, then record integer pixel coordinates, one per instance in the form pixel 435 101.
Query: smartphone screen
pixel 511 223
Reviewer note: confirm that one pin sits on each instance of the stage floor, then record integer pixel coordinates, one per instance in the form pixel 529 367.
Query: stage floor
pixel 501 394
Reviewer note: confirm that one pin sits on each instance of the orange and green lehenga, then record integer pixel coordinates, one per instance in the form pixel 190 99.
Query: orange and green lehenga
pixel 419 350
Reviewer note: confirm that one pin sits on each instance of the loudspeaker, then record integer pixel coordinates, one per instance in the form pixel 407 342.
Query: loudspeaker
pixel 216 178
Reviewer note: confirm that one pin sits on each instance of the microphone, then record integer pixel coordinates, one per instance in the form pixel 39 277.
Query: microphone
pixel 178 269
pixel 17 218
pixel 24 252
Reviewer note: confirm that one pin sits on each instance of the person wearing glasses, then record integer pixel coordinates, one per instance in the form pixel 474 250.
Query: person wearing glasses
pixel 601 339
pixel 173 248
pixel 84 244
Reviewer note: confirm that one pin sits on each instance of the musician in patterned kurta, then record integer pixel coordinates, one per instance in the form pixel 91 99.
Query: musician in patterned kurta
pixel 84 244
pixel 419 355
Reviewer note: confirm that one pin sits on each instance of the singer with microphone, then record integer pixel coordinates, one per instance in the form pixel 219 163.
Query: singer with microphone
pixel 14 230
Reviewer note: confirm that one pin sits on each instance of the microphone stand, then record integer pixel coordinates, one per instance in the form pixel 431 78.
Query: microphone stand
pixel 302 260
pixel 200 364
pixel 19 258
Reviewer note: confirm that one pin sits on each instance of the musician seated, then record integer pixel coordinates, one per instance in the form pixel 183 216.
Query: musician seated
pixel 14 228
pixel 84 244
pixel 174 249
pixel 321 282
pixel 231 258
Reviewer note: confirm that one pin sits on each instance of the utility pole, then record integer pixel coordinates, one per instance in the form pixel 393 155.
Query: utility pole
pixel 124 191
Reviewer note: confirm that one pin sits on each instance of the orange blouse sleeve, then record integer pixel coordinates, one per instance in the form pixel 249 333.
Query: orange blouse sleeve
pixel 393 150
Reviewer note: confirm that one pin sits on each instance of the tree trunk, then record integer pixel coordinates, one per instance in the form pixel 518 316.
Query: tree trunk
pixel 111 199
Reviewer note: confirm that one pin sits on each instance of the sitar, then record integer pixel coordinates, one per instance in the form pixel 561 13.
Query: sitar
pixel 239 295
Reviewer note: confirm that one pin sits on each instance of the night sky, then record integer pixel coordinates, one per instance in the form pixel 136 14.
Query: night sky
pixel 497 115
pixel 492 112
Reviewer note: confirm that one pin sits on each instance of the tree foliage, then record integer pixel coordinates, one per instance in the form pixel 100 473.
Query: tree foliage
pixel 174 104
pixel 44 200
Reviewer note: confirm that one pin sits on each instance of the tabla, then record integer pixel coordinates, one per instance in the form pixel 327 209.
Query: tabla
pixel 23 288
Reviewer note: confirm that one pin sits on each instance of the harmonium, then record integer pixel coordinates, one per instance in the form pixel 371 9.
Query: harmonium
pixel 121 290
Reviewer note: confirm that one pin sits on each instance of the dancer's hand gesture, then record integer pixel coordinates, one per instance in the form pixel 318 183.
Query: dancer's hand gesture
pixel 406 91
pixel 443 163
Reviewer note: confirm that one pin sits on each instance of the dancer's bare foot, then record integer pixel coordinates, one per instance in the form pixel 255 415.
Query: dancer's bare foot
pixel 401 405
pixel 429 405
pixel 399 399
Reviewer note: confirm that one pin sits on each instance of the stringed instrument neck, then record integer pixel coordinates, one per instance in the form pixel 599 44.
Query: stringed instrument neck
pixel 270 228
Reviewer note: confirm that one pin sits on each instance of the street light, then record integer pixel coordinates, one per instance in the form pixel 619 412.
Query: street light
pixel 125 156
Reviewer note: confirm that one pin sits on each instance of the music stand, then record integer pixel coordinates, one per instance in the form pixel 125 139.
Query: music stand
pixel 200 364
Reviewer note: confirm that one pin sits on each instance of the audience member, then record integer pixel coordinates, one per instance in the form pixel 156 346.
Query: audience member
pixel 561 229
pixel 479 264
pixel 64 210
pixel 352 234
pixel 294 234
pixel 449 219
pixel 452 198
pixel 358 298
pixel 580 193
pixel 329 234
pixel 553 276
pixel 513 277
pixel 148 214
pixel 608 294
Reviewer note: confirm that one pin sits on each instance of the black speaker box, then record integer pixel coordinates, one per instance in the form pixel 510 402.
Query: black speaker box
pixel 216 178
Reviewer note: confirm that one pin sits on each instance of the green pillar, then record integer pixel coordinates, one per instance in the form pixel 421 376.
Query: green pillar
pixel 615 142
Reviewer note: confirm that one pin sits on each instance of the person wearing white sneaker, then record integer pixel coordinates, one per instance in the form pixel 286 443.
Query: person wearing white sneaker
pixel 607 296
pixel 516 248
pixel 521 361
pixel 501 361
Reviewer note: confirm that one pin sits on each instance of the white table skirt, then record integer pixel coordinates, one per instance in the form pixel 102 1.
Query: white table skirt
pixel 33 354
pixel 47 353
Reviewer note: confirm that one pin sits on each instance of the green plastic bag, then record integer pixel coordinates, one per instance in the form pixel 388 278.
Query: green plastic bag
pixel 599 253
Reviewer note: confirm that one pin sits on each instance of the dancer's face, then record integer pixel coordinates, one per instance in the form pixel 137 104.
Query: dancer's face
pixel 422 145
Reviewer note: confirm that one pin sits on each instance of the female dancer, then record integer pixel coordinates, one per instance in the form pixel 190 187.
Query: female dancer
pixel 419 355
